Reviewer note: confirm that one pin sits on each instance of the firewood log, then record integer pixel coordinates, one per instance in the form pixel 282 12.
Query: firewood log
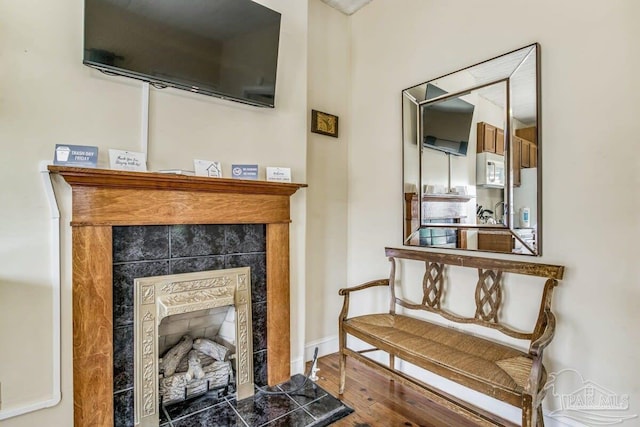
pixel 211 348
pixel 195 367
pixel 173 388
pixel 171 360
pixel 205 360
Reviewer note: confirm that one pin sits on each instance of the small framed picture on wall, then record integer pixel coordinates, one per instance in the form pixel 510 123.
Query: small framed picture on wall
pixel 324 123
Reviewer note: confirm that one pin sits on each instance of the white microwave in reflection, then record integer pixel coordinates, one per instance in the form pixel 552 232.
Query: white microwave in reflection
pixel 490 170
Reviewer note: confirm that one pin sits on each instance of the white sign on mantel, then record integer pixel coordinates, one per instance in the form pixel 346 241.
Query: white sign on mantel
pixel 279 174
pixel 127 160
pixel 207 168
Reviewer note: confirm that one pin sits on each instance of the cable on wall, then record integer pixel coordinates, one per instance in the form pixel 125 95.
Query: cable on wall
pixel 144 121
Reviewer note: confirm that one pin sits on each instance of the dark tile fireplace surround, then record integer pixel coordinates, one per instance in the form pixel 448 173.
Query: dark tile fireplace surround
pixel 143 251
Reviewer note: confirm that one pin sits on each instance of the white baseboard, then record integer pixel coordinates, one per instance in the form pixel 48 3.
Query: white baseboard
pixel 297 366
pixel 327 345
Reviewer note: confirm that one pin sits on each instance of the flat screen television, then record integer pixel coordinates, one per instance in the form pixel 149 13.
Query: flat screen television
pixel 222 48
pixel 446 124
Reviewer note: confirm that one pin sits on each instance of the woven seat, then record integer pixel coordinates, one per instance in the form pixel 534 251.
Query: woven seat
pixel 426 344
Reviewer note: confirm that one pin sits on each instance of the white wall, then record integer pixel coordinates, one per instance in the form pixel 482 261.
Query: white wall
pixel 46 97
pixel 590 66
pixel 328 91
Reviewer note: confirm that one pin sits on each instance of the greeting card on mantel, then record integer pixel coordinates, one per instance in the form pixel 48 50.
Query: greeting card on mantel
pixel 279 174
pixel 207 168
pixel 127 160
pixel 244 172
pixel 76 155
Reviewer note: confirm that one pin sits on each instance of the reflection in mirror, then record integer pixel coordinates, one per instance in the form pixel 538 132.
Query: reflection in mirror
pixel 470 152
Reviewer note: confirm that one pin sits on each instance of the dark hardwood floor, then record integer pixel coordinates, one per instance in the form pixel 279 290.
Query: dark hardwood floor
pixel 380 402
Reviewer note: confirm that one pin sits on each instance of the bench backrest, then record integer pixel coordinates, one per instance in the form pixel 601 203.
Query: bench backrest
pixel 488 292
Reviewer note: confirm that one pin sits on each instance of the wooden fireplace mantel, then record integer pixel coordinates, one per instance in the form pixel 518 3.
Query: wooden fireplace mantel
pixel 109 197
pixel 102 199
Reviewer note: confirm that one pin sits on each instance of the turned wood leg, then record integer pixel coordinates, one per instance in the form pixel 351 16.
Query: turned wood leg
pixel 343 372
pixel 343 360
pixel 527 411
pixel 392 364
pixel 540 419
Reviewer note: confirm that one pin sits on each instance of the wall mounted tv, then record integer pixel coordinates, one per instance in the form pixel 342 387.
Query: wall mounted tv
pixel 446 125
pixel 222 48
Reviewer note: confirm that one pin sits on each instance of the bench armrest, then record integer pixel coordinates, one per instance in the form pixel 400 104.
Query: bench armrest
pixel 346 291
pixel 380 282
pixel 537 346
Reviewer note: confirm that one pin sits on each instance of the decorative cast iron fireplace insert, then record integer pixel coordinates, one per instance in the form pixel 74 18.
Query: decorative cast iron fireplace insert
pixel 159 297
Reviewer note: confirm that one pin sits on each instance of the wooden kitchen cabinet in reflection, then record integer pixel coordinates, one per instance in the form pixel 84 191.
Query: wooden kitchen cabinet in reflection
pixel 499 141
pixel 525 155
pixel 530 134
pixel 533 155
pixel 516 146
pixel 490 139
pixel 529 149
pixel 495 241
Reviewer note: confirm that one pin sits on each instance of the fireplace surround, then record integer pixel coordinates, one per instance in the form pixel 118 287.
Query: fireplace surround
pixel 102 199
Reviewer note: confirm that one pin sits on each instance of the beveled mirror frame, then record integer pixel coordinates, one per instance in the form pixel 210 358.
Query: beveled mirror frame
pixel 414 187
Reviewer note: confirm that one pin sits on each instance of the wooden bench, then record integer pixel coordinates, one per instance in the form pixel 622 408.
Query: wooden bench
pixel 495 369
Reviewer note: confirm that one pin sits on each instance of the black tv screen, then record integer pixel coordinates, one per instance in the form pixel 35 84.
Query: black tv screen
pixel 223 48
pixel 446 125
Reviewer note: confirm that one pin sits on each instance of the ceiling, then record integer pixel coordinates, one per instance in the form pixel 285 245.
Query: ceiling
pixel 347 7
pixel 521 68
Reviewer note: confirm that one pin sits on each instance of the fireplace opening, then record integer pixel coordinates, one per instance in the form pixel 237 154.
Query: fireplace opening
pixel 197 351
pixel 192 335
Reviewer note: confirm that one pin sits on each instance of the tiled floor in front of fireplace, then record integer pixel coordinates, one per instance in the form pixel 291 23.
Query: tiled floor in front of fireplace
pixel 310 406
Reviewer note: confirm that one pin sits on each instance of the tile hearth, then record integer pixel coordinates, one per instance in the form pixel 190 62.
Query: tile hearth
pixel 311 406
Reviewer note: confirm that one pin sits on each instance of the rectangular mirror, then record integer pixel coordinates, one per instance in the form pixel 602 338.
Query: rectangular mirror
pixel 471 157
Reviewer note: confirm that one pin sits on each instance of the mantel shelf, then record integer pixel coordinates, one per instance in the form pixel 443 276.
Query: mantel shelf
pixel 90 177
pixel 440 197
pixel 446 198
